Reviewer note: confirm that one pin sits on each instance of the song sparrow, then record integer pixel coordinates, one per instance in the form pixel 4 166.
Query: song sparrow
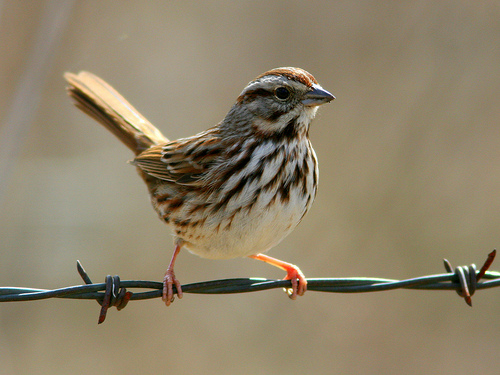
pixel 236 189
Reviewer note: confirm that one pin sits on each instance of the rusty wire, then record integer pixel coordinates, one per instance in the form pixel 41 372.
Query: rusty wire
pixel 465 280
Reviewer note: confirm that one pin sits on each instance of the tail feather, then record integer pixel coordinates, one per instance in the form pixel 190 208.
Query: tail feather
pixel 103 103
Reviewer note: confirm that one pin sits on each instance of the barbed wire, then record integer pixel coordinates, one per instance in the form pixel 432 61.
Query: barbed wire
pixel 465 280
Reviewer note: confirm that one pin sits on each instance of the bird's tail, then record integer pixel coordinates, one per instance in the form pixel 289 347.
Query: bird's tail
pixel 99 100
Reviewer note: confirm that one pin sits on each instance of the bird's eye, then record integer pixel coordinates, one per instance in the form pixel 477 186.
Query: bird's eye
pixel 282 93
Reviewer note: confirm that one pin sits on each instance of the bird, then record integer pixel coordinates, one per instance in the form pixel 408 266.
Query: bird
pixel 234 190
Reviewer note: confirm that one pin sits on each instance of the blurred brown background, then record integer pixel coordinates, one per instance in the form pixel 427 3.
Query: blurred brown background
pixel 409 163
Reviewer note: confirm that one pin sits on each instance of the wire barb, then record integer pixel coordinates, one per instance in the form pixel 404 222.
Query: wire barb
pixel 111 296
pixel 487 264
pixel 468 278
pixel 465 280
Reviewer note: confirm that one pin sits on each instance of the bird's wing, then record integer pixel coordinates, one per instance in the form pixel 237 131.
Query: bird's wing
pixel 183 161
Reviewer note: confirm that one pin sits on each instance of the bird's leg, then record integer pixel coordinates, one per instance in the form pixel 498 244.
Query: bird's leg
pixel 293 273
pixel 170 279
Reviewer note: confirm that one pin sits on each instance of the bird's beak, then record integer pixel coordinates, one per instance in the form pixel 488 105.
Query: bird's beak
pixel 317 96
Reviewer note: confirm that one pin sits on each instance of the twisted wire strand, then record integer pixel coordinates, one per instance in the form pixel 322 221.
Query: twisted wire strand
pixel 465 280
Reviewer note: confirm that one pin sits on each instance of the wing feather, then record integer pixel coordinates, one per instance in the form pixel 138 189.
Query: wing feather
pixel 184 161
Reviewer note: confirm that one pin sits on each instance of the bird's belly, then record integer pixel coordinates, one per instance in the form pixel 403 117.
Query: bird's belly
pixel 248 230
pixel 252 210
